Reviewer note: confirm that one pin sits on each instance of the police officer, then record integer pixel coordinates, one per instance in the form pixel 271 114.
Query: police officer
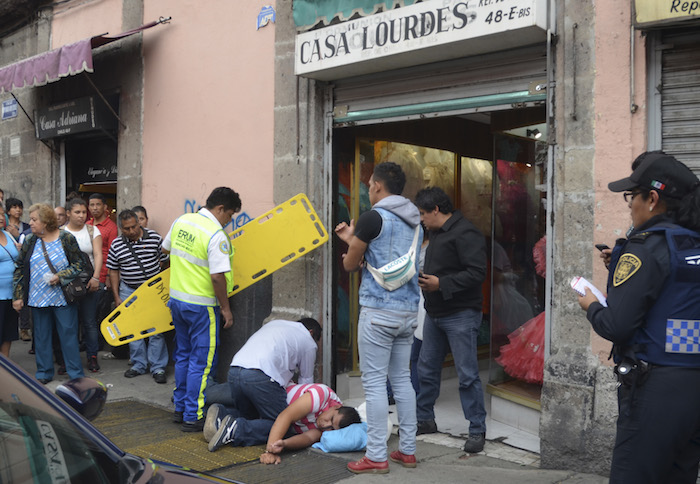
pixel 653 320
pixel 200 281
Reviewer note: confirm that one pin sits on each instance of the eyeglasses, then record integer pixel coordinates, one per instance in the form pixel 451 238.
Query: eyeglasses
pixel 629 196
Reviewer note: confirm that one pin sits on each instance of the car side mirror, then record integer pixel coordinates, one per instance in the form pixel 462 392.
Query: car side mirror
pixel 86 395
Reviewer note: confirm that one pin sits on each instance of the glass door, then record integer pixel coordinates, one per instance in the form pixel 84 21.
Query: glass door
pixel 518 269
pixel 468 182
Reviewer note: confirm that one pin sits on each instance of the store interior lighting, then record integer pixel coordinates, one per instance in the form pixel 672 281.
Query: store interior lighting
pixel 535 133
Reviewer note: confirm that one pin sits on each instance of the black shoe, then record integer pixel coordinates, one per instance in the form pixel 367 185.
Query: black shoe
pixel 44 381
pixel 426 427
pixel 61 369
pixel 93 366
pixel 177 417
pixel 131 373
pixel 196 426
pixel 475 443
pixel 160 377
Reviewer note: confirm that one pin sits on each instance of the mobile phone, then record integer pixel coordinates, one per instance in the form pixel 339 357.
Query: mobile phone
pixel 601 247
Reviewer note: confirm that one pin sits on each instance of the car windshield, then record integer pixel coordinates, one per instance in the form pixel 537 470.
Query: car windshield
pixel 38 444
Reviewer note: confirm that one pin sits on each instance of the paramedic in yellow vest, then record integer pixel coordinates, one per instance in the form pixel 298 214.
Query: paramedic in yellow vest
pixel 200 281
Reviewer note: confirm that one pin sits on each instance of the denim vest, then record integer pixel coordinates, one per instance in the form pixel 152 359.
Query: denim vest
pixel 393 241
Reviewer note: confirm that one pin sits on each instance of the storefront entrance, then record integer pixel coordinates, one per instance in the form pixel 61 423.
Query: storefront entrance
pixel 91 166
pixel 493 165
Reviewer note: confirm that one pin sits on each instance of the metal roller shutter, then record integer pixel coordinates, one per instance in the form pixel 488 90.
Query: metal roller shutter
pixel 680 96
pixel 500 80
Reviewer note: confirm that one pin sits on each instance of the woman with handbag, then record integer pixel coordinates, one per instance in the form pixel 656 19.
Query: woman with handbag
pixel 50 259
pixel 90 242
pixel 8 317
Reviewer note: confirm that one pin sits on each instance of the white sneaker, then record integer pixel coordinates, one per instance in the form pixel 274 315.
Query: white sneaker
pixel 213 421
pixel 225 434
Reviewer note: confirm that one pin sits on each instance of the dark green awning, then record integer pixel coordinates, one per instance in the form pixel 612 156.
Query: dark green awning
pixel 308 13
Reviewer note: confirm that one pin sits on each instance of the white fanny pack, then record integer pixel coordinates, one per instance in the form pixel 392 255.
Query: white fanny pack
pixel 399 271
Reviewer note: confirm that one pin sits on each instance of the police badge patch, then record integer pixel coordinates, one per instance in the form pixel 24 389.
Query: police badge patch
pixel 626 267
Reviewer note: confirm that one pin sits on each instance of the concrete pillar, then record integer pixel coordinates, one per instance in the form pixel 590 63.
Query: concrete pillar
pixel 297 289
pixel 578 403
pixel 130 152
pixel 298 167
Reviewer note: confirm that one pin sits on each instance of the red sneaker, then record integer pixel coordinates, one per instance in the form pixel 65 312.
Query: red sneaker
pixel 403 459
pixel 366 466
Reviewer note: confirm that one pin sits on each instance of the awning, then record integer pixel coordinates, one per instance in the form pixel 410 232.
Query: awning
pixel 65 61
pixel 308 13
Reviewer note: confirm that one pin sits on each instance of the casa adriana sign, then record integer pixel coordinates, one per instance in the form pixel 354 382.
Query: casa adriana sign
pixel 72 117
pixel 430 31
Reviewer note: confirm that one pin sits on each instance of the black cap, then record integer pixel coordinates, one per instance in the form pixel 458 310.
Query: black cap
pixel 658 171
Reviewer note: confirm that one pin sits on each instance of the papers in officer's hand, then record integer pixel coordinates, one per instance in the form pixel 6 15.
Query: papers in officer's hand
pixel 579 284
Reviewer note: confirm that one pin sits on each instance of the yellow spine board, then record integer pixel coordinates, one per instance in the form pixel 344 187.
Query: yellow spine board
pixel 263 245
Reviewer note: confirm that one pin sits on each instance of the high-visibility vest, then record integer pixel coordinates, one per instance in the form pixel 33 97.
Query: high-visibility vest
pixel 190 280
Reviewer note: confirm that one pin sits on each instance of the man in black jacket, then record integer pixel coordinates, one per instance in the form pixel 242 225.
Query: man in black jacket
pixel 455 268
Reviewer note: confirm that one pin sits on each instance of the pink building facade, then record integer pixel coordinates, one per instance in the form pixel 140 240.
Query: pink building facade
pixel 523 116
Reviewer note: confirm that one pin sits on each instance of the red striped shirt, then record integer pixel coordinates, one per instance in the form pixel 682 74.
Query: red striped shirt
pixel 322 398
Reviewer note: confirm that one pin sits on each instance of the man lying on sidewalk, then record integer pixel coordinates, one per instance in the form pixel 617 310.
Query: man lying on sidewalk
pixel 312 409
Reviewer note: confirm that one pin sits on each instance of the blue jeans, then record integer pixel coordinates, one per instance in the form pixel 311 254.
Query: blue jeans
pixel 257 400
pixel 384 343
pixel 87 309
pixel 219 393
pixel 157 353
pixel 456 332
pixel 415 353
pixel 66 320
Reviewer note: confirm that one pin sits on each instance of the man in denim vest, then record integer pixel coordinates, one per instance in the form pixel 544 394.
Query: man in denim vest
pixel 387 318
pixel 454 271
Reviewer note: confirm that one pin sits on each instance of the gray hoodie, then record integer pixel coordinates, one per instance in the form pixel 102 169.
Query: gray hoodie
pixel 402 207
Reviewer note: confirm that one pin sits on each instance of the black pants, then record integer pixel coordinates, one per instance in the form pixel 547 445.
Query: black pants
pixel 658 430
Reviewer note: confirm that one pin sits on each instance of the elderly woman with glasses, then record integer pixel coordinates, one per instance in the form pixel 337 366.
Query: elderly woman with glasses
pixel 38 285
pixel 653 320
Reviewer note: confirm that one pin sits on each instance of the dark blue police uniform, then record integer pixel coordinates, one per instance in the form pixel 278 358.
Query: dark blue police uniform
pixel 653 319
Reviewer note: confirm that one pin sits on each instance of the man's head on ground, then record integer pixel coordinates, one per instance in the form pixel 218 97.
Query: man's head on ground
pixel 129 224
pixel 97 203
pixel 336 418
pixel 434 206
pixel 223 202
pixel 387 179
pixel 314 328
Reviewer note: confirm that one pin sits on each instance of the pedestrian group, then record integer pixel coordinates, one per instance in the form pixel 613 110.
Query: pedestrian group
pixel 422 264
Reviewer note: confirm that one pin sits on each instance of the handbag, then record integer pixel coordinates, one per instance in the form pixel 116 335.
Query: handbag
pixel 398 272
pixel 76 289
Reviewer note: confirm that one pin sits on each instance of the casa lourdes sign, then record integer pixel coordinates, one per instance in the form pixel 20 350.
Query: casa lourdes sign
pixel 426 32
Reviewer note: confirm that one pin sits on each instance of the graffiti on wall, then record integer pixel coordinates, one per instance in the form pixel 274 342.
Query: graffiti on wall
pixel 238 220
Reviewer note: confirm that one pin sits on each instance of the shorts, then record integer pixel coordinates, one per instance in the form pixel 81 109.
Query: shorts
pixel 8 322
